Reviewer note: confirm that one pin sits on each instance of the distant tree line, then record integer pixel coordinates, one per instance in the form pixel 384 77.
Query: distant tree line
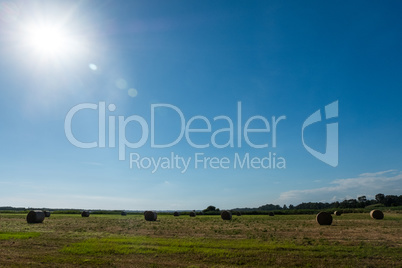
pixel 360 202
pixel 12 209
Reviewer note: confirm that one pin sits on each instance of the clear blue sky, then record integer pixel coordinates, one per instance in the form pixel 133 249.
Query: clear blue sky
pixel 204 58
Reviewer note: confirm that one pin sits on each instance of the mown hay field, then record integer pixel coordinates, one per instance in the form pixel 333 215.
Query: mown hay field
pixel 353 240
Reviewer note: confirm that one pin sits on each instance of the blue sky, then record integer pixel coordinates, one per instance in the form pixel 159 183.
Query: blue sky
pixel 203 58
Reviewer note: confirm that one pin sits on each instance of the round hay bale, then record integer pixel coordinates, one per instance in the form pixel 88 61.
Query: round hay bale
pixel 35 216
pixel 377 214
pixel 123 213
pixel 324 218
pixel 337 213
pixel 192 214
pixel 271 214
pixel 226 215
pixel 150 215
pixel 176 214
pixel 85 213
pixel 47 214
pixel 238 213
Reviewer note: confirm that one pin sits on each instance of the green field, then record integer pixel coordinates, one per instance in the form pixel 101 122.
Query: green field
pixel 353 240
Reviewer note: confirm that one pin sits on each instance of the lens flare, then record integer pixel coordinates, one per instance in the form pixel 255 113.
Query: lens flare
pixel 132 92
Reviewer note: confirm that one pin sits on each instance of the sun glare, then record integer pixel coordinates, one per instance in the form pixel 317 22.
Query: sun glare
pixel 49 41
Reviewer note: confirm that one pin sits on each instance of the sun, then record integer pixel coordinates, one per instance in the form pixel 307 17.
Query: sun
pixel 46 38
pixel 49 41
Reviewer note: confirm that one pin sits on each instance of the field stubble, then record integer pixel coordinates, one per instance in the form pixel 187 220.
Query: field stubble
pixel 353 240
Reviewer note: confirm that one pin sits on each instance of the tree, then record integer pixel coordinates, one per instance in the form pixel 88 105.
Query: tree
pixel 285 207
pixel 380 198
pixel 362 199
pixel 390 200
pixel 352 203
pixel 210 208
pixel 270 207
